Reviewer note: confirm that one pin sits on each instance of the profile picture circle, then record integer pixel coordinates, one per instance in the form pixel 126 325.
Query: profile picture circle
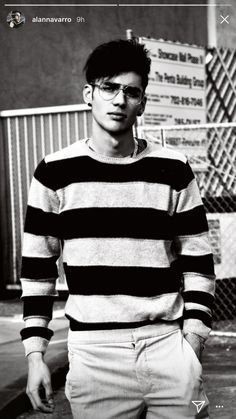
pixel 15 19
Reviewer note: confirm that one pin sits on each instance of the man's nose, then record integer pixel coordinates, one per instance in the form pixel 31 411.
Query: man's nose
pixel 120 98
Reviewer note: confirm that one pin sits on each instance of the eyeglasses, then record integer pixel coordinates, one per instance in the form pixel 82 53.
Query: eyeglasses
pixel 109 91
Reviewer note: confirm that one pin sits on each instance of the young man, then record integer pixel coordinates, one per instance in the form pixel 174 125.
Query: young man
pixel 15 19
pixel 133 232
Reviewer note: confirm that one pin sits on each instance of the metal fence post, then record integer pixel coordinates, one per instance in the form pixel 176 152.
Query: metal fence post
pixel 5 245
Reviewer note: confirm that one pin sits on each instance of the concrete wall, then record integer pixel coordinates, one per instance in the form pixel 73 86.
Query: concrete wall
pixel 41 63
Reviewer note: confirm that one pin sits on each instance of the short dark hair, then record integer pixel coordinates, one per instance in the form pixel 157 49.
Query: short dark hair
pixel 115 57
pixel 15 12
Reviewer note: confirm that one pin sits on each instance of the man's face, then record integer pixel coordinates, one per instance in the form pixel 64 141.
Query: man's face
pixel 17 17
pixel 118 114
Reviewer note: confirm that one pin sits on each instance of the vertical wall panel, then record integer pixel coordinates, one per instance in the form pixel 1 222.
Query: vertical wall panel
pixel 28 139
pixel 6 268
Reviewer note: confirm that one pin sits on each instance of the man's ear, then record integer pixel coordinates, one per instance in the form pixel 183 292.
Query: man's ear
pixel 88 94
pixel 142 106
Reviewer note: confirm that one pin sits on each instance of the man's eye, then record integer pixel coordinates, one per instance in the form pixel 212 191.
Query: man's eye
pixel 133 92
pixel 108 88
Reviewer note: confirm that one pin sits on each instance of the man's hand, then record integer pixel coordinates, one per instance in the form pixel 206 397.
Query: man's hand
pixel 196 342
pixel 38 377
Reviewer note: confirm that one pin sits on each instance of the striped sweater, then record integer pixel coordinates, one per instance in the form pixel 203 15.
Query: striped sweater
pixel 133 236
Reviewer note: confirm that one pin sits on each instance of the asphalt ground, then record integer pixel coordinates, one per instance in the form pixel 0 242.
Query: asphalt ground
pixel 219 367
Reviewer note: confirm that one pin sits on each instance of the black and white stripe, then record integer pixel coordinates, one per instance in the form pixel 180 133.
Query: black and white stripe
pixel 131 231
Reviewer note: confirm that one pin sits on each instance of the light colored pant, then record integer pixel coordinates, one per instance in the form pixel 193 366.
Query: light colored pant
pixel 118 374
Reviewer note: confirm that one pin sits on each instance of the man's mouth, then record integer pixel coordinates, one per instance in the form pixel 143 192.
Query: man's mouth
pixel 117 115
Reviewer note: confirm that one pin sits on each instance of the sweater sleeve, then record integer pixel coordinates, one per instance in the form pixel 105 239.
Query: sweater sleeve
pixel 194 256
pixel 41 249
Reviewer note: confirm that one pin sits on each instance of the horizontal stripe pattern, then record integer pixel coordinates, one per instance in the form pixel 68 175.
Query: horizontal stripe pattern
pixel 101 222
pixel 40 246
pixel 124 308
pixel 133 235
pixel 203 265
pixel 200 315
pixel 36 320
pixel 118 252
pixel 58 174
pixel 109 195
pixel 42 332
pixel 95 194
pixel 109 280
pixel 195 245
pixel 41 223
pixel 188 198
pixel 197 282
pixel 42 197
pixel 39 268
pixel 38 306
pixel 115 222
pixel 190 222
pixel 80 326
pixel 199 297
pixel 32 287
pixel 195 306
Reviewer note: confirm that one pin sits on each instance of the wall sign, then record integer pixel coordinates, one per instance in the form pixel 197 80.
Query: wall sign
pixel 176 89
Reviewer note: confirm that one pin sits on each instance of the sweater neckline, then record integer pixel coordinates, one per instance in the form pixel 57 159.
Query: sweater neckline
pixel 117 160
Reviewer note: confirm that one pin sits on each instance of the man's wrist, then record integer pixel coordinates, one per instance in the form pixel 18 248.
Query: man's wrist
pixel 35 356
pixel 196 338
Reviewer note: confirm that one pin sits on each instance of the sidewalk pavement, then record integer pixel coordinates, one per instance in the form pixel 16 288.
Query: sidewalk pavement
pixel 219 367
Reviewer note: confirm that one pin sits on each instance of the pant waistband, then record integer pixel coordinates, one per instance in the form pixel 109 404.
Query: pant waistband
pixel 124 335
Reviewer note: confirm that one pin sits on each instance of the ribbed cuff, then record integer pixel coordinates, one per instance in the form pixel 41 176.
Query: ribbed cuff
pixel 35 344
pixel 36 339
pixel 197 327
pixel 201 315
pixel 36 331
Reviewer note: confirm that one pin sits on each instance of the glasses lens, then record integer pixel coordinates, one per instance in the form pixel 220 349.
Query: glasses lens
pixel 133 93
pixel 109 90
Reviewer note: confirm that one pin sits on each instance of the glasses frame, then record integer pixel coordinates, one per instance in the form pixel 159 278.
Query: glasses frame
pixel 122 87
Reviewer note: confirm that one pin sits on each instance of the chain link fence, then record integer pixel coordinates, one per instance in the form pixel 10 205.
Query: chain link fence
pixel 211 151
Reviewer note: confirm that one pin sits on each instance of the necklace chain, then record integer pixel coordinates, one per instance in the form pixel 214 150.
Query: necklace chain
pixel 133 154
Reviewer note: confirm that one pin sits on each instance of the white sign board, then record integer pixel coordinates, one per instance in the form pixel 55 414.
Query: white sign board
pixel 191 142
pixel 223 243
pixel 176 89
pixel 193 146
